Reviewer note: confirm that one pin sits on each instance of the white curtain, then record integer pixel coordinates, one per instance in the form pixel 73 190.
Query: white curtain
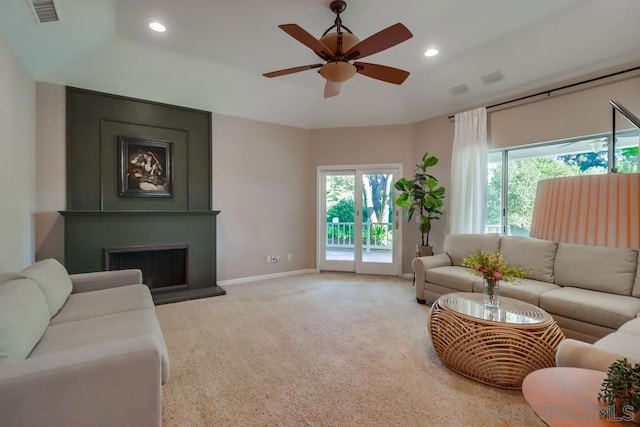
pixel 469 173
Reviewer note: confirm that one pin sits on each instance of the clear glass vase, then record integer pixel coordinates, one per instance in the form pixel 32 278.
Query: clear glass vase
pixel 491 293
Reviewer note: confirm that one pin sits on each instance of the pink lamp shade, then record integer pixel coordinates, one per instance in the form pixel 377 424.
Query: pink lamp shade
pixel 595 210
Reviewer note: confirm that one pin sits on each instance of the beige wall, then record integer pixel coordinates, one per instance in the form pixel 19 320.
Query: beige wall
pixel 363 145
pixel 263 183
pixel 434 136
pixel 367 146
pixel 17 162
pixel 261 179
pixel 50 170
pixel 264 178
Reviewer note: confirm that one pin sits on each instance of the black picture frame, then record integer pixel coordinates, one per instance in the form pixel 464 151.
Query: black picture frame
pixel 145 167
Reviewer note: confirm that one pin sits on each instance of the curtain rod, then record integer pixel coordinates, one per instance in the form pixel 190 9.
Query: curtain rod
pixel 550 91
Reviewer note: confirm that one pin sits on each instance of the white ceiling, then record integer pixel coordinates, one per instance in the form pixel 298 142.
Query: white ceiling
pixel 214 52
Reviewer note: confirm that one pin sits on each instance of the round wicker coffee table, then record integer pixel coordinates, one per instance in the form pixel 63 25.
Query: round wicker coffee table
pixel 499 346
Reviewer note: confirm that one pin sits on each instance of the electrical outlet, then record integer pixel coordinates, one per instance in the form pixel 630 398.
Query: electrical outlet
pixel 274 258
pixel 289 257
pixel 268 259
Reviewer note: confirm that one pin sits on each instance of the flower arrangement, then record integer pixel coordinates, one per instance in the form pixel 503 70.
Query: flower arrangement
pixel 493 268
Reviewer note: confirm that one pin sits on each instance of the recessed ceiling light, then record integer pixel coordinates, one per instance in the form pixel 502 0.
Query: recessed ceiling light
pixel 431 52
pixel 156 26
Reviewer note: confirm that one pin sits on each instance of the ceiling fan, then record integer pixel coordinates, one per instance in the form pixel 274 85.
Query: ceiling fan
pixel 340 49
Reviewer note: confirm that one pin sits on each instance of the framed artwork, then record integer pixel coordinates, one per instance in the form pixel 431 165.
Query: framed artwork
pixel 145 167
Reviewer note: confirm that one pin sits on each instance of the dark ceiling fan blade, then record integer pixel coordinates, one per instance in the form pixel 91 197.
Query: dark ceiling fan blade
pixel 380 41
pixel 291 70
pixel 331 89
pixel 382 72
pixel 300 34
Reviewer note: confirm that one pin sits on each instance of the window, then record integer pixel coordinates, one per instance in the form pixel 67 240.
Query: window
pixel 512 189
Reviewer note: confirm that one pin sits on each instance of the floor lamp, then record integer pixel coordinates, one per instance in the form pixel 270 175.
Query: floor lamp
pixel 596 210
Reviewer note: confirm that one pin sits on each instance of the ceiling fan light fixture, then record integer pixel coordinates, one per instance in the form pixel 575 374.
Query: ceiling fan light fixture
pixel 338 71
pixel 331 41
pixel 338 49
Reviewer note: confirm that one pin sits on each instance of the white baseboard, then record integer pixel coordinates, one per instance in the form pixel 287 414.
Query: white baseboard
pixel 407 276
pixel 265 277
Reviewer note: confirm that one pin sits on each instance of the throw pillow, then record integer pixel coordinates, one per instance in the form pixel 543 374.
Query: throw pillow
pixel 24 316
pixel 53 280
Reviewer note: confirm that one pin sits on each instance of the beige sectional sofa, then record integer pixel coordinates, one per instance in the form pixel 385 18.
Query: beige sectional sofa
pixel 593 293
pixel 625 342
pixel 82 349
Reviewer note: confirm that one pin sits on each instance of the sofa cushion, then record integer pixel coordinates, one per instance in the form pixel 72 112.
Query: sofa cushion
pixel 106 301
pixel 632 327
pixel 458 246
pixel 534 255
pixel 601 269
pixel 5 277
pixel 24 316
pixel 53 280
pixel 526 290
pixel 458 278
pixel 594 307
pixel 624 344
pixel 97 330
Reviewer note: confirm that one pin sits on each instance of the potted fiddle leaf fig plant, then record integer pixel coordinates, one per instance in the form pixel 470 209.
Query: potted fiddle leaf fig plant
pixel 424 197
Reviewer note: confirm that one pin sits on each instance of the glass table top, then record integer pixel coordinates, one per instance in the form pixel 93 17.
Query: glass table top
pixel 510 311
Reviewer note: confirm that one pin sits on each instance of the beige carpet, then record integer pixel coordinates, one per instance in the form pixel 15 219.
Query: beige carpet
pixel 319 350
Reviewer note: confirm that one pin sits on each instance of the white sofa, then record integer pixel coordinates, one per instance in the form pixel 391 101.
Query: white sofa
pixel 593 293
pixel 84 349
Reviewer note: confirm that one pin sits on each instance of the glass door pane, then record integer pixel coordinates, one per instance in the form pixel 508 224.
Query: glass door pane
pixel 359 228
pixel 378 223
pixel 377 217
pixel 339 217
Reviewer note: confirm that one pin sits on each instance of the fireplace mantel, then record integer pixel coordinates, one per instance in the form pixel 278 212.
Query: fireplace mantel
pixel 137 212
pixel 89 232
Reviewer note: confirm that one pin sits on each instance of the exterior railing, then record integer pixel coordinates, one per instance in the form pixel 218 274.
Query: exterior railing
pixel 374 235
pixel 488 229
pixel 512 230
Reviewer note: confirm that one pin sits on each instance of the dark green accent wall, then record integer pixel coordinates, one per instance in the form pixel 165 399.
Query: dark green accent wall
pixel 88 233
pixel 94 122
pixel 97 218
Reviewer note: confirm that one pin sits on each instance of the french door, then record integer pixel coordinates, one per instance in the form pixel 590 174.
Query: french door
pixel 359 226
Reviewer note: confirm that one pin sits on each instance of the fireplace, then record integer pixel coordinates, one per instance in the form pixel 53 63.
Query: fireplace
pixel 164 267
pixel 176 250
pixel 99 217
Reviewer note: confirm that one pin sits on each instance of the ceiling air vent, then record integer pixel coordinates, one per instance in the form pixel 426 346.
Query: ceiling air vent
pixel 457 90
pixel 44 10
pixel 496 76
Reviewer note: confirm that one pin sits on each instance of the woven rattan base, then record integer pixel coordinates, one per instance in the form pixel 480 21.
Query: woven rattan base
pixel 495 352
